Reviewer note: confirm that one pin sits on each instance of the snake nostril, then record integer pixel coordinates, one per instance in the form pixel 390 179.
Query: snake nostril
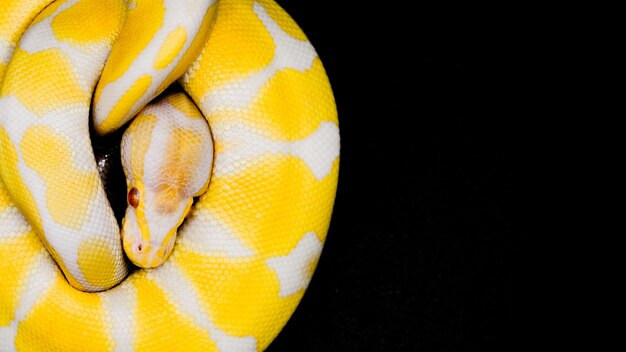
pixel 139 247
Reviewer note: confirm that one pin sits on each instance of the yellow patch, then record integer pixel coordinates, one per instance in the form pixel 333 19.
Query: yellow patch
pixel 233 51
pixel 270 204
pixel 13 181
pixel 282 18
pixel 96 261
pixel 198 43
pixel 16 15
pixel 2 69
pixel 298 111
pixel 50 155
pixel 180 221
pixel 48 11
pixel 18 255
pixel 170 48
pixel 219 147
pixel 160 326
pixel 182 153
pixel 90 22
pixel 142 23
pixel 43 81
pixel 5 201
pixel 115 118
pixel 182 103
pixel 65 319
pixel 140 132
pixel 240 295
pixel 168 198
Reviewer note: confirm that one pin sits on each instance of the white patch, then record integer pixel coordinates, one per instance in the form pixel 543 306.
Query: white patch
pixel 42 275
pixel 320 149
pixel 289 53
pixel 227 343
pixel 204 233
pixel 120 303
pixel 293 269
pixel 6 50
pixel 153 160
pixel 241 145
pixel 189 16
pixel 12 223
pixel 15 117
pixel 172 281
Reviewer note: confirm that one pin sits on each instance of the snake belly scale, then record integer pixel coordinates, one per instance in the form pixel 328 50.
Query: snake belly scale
pixel 230 277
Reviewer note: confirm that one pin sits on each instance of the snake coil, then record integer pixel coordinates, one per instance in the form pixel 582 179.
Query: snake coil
pixel 247 249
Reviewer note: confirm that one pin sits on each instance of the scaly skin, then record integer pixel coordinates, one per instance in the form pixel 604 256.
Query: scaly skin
pixel 246 251
pixel 163 178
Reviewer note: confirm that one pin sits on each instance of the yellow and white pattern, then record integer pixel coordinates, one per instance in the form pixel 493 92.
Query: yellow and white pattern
pixel 167 153
pixel 266 182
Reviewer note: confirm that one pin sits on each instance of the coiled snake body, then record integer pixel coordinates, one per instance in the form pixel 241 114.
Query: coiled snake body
pixel 264 175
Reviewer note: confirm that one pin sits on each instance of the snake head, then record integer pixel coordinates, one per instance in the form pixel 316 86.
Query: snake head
pixel 150 226
pixel 167 155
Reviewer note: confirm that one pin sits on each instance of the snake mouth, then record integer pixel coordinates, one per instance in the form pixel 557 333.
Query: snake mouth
pixel 146 254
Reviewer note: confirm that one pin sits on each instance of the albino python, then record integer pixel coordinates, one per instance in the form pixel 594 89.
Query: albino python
pixel 253 189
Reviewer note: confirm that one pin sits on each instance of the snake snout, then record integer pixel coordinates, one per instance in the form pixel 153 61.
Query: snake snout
pixel 147 254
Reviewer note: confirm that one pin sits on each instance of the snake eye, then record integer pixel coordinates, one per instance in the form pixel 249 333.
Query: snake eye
pixel 134 197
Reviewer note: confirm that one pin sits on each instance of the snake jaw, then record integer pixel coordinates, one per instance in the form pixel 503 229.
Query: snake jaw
pixel 138 247
pixel 147 254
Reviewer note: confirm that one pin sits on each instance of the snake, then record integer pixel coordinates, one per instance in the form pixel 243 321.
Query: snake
pixel 230 152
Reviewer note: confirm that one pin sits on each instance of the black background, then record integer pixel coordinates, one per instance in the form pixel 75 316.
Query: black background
pixel 424 248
